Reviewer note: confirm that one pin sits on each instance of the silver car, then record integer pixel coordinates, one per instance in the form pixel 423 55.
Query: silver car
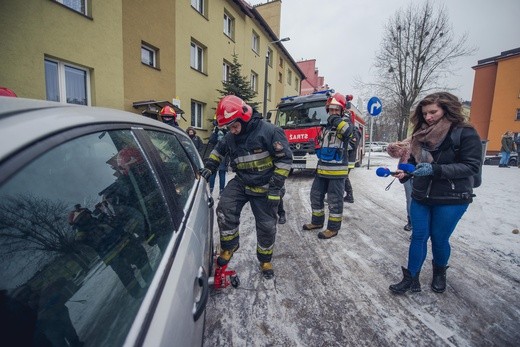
pixel 105 228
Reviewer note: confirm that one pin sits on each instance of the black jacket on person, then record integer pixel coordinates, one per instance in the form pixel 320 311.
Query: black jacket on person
pixel 260 155
pixel 452 181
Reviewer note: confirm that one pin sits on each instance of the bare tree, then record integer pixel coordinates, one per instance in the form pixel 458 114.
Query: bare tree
pixel 418 51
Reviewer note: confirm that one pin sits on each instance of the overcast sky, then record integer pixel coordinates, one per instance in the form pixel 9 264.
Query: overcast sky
pixel 344 35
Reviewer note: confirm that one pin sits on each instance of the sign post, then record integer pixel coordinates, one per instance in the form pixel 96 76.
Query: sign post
pixel 374 107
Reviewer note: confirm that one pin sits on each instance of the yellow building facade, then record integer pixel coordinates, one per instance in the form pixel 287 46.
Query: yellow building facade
pixel 495 105
pixel 122 54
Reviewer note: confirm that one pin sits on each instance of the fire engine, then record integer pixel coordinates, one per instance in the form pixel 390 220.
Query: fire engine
pixel 302 117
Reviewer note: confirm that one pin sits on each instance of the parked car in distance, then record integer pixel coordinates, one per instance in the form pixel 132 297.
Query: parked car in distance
pixel 374 146
pixel 495 159
pixel 106 228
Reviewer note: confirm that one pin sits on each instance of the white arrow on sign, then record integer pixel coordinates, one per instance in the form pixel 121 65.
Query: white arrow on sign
pixel 375 105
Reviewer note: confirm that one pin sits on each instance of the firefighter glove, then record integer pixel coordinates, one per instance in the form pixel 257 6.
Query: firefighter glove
pixel 423 169
pixel 206 173
pixel 333 120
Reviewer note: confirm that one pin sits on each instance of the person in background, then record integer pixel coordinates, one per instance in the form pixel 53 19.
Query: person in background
pixel 352 151
pixel 331 170
pixel 216 136
pixel 517 144
pixel 169 116
pixel 261 158
pixel 197 141
pixel 506 149
pixel 442 185
pixel 401 151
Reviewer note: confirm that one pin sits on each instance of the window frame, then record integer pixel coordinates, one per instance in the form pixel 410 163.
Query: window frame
pixel 255 42
pixel 229 25
pixel 155 54
pixel 253 79
pixel 289 76
pixel 62 80
pixel 199 6
pixel 199 57
pixel 226 70
pixel 197 113
pixel 84 3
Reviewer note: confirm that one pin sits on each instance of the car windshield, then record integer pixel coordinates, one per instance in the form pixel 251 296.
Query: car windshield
pixel 302 115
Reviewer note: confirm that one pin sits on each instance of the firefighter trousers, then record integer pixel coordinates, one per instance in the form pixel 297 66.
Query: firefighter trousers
pixel 334 188
pixel 231 203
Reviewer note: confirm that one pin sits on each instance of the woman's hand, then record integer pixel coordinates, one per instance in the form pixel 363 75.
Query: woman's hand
pixel 400 174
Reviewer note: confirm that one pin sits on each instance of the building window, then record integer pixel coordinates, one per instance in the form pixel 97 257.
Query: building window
pixel 197 57
pixel 148 55
pixel 269 91
pixel 198 5
pixel 226 70
pixel 76 5
pixel 518 114
pixel 281 62
pixel 280 77
pixel 270 56
pixel 66 83
pixel 254 81
pixel 229 25
pixel 255 44
pixel 289 77
pixel 197 110
pixel 296 83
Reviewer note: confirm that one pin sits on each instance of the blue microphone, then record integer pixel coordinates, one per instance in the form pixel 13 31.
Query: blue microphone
pixel 385 172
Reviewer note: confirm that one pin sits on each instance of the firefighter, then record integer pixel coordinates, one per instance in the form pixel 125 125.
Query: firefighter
pixel 260 156
pixel 332 168
pixel 169 116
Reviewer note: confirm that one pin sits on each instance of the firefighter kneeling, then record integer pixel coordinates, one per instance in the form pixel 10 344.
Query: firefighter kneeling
pixel 261 158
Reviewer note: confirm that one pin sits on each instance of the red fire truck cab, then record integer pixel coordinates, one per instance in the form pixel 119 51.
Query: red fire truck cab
pixel 301 118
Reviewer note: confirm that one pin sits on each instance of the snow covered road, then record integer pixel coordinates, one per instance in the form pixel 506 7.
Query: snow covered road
pixel 335 292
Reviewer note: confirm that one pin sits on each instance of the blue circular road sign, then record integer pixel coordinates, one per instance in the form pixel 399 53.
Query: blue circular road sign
pixel 374 106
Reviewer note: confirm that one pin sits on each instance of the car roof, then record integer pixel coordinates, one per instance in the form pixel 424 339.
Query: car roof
pixel 25 121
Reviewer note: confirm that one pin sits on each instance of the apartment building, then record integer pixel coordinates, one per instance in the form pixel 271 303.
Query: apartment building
pixel 495 103
pixel 141 55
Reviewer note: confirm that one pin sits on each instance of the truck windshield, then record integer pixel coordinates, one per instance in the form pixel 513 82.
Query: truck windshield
pixel 301 115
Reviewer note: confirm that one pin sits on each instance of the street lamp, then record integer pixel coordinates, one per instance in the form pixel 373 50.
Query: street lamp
pixel 266 70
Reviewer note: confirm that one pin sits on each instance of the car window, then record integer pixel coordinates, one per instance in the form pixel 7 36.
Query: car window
pixel 84 227
pixel 175 154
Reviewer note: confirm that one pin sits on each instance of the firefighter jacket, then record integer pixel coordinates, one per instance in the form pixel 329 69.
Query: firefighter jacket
pixel 260 156
pixel 332 147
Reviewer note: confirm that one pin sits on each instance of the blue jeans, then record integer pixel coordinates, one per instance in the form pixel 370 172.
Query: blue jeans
pixel 436 222
pixel 504 157
pixel 222 180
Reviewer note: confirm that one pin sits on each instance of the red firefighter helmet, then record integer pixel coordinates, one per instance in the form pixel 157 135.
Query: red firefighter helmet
pixel 167 112
pixel 231 108
pixel 128 158
pixel 338 100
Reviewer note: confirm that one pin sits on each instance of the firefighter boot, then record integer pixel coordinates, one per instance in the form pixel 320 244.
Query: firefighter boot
pixel 311 226
pixel 267 270
pixel 327 234
pixel 225 256
pixel 407 283
pixel 439 278
pixel 282 219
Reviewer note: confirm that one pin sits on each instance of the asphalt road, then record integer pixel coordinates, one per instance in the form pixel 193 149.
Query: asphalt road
pixel 335 292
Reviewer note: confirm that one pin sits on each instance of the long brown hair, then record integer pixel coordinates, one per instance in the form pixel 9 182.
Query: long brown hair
pixel 449 103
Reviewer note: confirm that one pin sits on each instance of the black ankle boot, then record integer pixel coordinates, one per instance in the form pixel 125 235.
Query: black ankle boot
pixel 408 283
pixel 439 278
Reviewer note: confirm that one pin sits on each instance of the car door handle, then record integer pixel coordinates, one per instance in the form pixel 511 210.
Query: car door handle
pixel 200 305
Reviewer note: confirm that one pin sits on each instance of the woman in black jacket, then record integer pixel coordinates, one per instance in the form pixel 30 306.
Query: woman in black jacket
pixel 442 185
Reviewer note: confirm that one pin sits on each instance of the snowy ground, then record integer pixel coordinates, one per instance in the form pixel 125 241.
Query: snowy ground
pixel 335 292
